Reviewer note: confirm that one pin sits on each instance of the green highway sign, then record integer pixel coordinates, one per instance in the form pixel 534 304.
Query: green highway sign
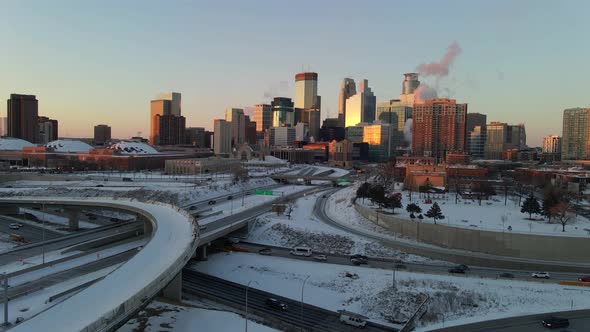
pixel 342 180
pixel 263 192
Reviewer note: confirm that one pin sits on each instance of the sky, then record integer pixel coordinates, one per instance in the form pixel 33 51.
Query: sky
pixel 92 62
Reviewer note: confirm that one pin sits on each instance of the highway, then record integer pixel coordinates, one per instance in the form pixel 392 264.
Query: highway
pixel 205 203
pixel 34 249
pixel 579 322
pixel 31 233
pixel 392 263
pixel 306 317
pixel 61 276
pixel 512 264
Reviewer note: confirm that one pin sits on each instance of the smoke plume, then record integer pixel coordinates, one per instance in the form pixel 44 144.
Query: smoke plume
pixel 408 127
pixel 423 92
pixel 277 89
pixel 441 68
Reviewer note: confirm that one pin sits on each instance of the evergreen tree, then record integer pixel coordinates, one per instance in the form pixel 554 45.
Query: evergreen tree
pixel 413 208
pixel 393 202
pixel 531 206
pixel 435 212
pixel 377 194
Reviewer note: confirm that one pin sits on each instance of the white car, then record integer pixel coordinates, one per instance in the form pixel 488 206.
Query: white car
pixel 544 275
pixel 14 226
pixel 321 258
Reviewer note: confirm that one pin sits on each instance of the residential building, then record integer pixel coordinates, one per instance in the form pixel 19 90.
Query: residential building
pixel 262 117
pixel 575 141
pixel 439 127
pixel 282 136
pixel 237 120
pixel 475 119
pixel 222 137
pixel 552 144
pixel 48 130
pixel 102 134
pixel 341 153
pixel 23 112
pixel 496 139
pixel 347 90
pixel 282 112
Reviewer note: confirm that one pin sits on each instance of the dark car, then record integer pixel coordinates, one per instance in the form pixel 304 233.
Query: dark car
pixel 114 219
pixel 265 251
pixel 230 197
pixel 506 275
pixel 192 207
pixel 276 304
pixel 456 270
pixel 463 267
pixel 100 185
pixel 212 202
pixel 556 322
pixel 359 258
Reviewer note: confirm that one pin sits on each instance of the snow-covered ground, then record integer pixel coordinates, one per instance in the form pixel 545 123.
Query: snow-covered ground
pixel 164 317
pixel 6 243
pixel 459 300
pixel 491 215
pixel 53 219
pixel 304 228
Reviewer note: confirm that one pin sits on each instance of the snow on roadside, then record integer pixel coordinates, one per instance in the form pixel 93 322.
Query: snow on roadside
pixel 5 242
pixel 161 316
pixel 368 291
pixel 304 228
pixel 54 219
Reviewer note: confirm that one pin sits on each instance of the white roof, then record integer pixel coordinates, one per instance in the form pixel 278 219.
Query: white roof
pixel 133 147
pixel 63 145
pixel 9 143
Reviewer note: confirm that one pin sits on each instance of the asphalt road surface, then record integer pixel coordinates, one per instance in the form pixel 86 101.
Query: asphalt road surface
pixel 31 233
pixel 306 317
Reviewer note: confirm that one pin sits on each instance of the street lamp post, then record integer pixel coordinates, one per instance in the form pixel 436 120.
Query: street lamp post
pixel 5 277
pixel 43 234
pixel 301 317
pixel 248 286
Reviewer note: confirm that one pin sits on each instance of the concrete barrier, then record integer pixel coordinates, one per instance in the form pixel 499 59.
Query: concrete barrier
pixel 508 244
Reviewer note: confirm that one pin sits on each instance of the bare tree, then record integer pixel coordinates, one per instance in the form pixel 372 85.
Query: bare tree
pixel 562 211
pixel 386 174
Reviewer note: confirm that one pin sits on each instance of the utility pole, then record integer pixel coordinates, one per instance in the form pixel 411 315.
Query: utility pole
pixel 43 232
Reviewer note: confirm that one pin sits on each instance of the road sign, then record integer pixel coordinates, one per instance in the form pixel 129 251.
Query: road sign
pixel 341 180
pixel 263 192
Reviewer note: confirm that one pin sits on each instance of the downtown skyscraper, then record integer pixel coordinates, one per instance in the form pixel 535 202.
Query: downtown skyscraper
pixel 23 113
pixel 167 124
pixel 575 141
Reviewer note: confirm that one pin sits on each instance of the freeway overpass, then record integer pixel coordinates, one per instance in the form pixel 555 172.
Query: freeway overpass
pixel 307 179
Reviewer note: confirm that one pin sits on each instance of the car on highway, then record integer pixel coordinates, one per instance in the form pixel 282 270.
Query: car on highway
pixel 463 266
pixel 192 207
pixel 541 275
pixel 362 259
pixel 555 322
pixel 456 270
pixel 320 258
pixel 211 202
pixel 265 251
pixel 100 185
pixel 14 226
pixel 276 304
pixel 584 279
pixel 230 197
pixel 113 219
pixel 301 251
pixel 506 275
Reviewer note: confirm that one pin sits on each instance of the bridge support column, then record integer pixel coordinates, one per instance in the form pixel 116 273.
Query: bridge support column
pixel 73 219
pixel 174 289
pixel 201 253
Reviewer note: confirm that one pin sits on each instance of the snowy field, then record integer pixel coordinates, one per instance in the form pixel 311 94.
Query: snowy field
pixel 491 215
pixel 5 242
pixel 369 291
pixel 304 228
pixel 165 317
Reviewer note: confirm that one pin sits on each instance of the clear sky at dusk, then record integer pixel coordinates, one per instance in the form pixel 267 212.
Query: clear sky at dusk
pixel 92 62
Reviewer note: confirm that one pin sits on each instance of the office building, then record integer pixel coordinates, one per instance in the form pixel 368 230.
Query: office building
pixel 496 140
pixel 282 136
pixel 552 144
pixel 347 90
pixel 23 112
pixel 475 119
pixel 262 117
pixel 222 137
pixel 102 134
pixel 301 132
pixel 48 130
pixel 314 124
pixel 369 102
pixel 282 112
pixel 306 91
pixel 250 135
pixel 396 114
pixel 377 136
pixel 476 142
pixel 575 140
pixel 167 125
pixel 439 127
pixel 195 136
pixel 237 120
pixel 516 137
pixel 409 86
pixel 332 130
pixel 3 126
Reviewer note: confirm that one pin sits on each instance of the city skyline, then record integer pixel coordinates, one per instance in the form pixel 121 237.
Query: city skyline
pixel 512 72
